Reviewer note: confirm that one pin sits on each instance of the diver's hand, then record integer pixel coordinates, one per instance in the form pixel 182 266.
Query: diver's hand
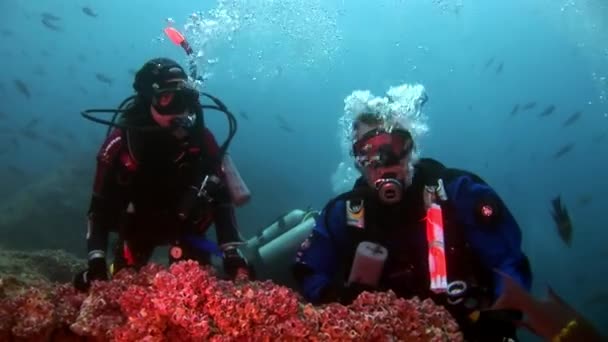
pixel 342 294
pixel 328 294
pixel 500 326
pixel 233 261
pixel 97 271
pixel 352 291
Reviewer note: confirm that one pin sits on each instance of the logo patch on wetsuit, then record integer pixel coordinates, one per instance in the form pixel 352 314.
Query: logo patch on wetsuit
pixel 110 147
pixel 488 210
pixel 355 214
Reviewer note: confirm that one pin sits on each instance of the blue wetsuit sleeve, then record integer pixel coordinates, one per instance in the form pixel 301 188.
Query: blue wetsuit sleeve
pixel 491 230
pixel 321 253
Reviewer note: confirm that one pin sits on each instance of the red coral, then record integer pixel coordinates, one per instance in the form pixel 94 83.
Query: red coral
pixel 188 303
pixel 67 303
pixel 7 308
pixel 100 312
pixel 34 315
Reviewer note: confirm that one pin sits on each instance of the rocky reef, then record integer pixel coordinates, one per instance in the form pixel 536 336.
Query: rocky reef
pixel 50 212
pixel 187 302
pixel 38 267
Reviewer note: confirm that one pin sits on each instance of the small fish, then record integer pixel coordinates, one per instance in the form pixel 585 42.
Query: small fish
pixel 55 145
pixel 32 123
pixel 282 120
pixel 284 125
pixel 470 107
pixel 244 114
pixel 515 110
pixel 31 134
pixel 88 11
pixel 545 318
pixel 529 105
pixel 104 79
pixel 563 150
pixel 39 70
pixel 599 137
pixel 22 88
pixel 572 119
pixel 49 16
pixel 499 68
pixel 584 200
pixel 562 220
pixel 15 170
pixel 286 128
pixel 132 72
pixel 70 136
pixel 51 26
pixel 6 32
pixel 547 111
pixel 488 63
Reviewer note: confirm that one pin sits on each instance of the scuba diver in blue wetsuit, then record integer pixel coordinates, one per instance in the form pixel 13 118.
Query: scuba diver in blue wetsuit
pixel 418 228
pixel 162 179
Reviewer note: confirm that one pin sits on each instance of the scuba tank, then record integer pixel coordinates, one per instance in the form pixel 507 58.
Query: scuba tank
pixel 272 251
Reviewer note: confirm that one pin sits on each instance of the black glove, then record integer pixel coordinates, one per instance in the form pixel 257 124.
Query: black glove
pixel 328 294
pixel 233 261
pixel 352 291
pixel 498 325
pixel 97 271
pixel 342 294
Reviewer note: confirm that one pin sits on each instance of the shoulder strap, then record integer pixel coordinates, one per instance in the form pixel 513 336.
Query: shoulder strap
pixel 430 171
pixel 204 141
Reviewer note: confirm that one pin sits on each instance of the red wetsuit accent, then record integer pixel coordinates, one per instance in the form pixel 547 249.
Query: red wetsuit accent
pixel 151 194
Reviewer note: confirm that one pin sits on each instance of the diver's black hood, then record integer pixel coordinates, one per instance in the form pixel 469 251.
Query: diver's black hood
pixel 154 74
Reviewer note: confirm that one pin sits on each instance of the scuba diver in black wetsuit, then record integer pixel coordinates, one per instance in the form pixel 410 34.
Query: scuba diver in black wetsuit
pixel 374 237
pixel 162 179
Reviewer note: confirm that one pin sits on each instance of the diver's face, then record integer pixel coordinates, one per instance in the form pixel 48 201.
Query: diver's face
pixel 165 120
pixel 375 172
pixel 399 172
pixel 167 107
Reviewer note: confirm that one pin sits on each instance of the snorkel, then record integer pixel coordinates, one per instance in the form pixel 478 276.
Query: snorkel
pixel 178 39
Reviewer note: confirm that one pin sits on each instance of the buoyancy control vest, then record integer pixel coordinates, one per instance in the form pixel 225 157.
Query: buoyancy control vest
pixel 169 188
pixel 401 229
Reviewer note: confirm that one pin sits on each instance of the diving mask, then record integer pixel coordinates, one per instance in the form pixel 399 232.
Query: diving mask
pixel 380 154
pixel 178 97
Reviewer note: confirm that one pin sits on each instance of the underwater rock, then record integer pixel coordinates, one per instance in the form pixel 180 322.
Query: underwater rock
pixel 50 213
pixel 38 267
